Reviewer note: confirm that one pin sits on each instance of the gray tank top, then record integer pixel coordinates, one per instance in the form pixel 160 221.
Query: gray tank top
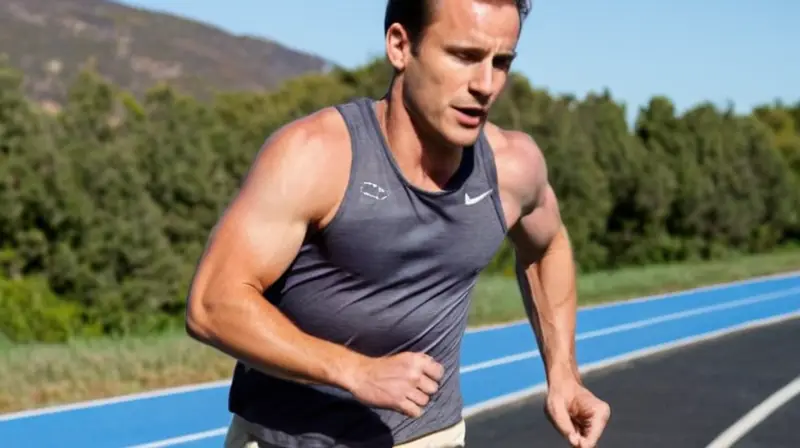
pixel 392 272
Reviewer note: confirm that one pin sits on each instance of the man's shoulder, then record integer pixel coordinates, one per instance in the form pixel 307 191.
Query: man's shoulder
pixel 307 160
pixel 517 146
pixel 312 146
pixel 322 133
pixel 520 163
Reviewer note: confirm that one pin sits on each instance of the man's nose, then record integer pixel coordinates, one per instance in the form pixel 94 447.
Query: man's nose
pixel 481 84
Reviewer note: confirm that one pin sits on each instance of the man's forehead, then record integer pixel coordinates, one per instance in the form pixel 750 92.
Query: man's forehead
pixel 482 21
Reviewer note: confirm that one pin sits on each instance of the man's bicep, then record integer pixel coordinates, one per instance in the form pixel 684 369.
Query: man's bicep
pixel 255 240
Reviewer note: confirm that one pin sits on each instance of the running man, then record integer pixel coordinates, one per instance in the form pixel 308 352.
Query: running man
pixel 340 274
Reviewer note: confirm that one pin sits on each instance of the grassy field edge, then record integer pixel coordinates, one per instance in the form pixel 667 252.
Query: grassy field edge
pixel 497 299
pixel 39 375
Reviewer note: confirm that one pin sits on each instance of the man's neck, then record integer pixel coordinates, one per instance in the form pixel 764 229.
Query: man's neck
pixel 424 162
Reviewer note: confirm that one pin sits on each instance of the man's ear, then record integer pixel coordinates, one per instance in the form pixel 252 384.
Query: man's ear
pixel 398 47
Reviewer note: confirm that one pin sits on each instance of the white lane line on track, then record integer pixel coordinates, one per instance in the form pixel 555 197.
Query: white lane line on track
pixel 638 324
pixel 630 356
pixel 651 298
pixel 114 400
pixel 509 398
pixel 185 439
pixel 191 388
pixel 757 415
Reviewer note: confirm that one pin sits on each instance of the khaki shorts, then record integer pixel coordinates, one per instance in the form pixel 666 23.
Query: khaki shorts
pixel 452 437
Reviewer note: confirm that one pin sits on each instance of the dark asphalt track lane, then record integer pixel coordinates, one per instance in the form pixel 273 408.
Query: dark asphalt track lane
pixel 780 430
pixel 683 397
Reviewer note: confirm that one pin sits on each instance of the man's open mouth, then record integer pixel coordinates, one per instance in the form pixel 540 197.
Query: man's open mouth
pixel 476 112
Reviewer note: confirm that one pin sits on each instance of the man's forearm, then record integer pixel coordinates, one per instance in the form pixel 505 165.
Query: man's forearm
pixel 552 307
pixel 254 332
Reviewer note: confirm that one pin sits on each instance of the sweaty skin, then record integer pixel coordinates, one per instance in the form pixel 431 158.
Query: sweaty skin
pixel 295 186
pixel 437 104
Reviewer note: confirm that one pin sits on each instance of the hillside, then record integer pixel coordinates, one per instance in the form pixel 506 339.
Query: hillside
pixel 51 40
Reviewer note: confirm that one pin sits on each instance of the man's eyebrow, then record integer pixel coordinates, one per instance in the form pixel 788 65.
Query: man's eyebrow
pixel 469 46
pixel 511 54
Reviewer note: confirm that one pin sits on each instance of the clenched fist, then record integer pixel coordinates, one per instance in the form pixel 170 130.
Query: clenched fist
pixel 577 413
pixel 403 382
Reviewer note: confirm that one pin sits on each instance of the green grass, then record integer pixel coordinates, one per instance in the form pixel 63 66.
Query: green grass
pixel 497 299
pixel 39 375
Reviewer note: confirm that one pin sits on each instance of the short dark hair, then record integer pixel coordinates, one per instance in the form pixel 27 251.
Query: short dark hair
pixel 415 15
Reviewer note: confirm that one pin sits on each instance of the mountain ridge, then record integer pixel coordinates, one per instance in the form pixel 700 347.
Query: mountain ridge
pixel 136 48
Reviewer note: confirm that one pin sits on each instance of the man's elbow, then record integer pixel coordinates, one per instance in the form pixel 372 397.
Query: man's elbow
pixel 196 330
pixel 198 322
pixel 561 239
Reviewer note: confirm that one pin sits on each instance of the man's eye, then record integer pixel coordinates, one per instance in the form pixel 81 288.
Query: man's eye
pixel 468 56
pixel 503 63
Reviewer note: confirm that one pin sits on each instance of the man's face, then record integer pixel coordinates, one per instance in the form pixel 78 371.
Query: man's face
pixel 461 66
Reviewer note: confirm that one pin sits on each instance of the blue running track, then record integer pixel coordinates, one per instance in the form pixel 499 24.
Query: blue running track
pixel 497 364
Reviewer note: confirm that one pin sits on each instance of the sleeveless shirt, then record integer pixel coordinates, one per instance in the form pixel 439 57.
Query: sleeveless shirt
pixel 392 272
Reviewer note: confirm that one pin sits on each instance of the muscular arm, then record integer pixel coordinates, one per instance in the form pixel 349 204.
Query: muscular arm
pixel 252 245
pixel 545 267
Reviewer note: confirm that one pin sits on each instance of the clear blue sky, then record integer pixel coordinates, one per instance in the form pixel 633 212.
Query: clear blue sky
pixel 745 51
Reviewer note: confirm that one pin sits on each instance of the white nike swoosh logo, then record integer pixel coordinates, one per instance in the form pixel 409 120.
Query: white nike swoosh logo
pixel 471 201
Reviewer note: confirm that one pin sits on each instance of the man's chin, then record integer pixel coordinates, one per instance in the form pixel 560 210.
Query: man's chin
pixel 464 136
